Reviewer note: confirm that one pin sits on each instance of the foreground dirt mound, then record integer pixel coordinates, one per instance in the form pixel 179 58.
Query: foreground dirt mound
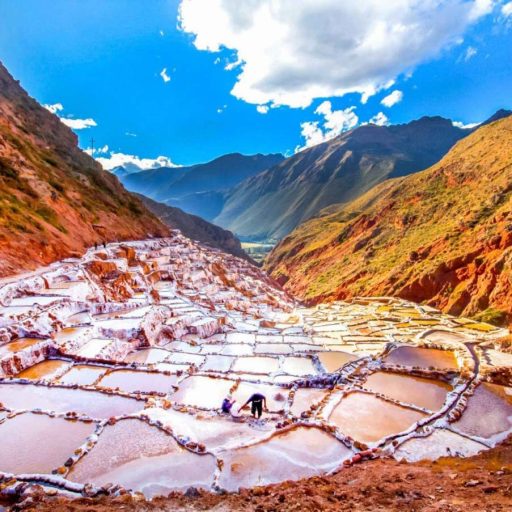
pixel 55 200
pixel 442 236
pixel 483 482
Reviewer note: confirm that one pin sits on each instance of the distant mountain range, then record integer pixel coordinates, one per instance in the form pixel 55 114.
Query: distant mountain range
pixel 442 236
pixel 55 200
pixel 196 228
pixel 198 189
pixel 272 203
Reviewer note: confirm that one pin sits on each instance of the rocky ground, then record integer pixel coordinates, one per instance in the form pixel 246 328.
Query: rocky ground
pixel 482 482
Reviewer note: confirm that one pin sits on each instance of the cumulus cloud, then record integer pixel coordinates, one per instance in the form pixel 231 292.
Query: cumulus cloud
pixel 392 99
pixel 97 151
pixel 293 51
pixel 165 77
pixel 133 162
pixel 380 119
pixel 506 9
pixel 334 122
pixel 262 109
pixel 467 126
pixel 74 124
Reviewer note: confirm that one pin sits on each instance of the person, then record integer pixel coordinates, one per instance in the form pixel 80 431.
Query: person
pixel 227 404
pixel 104 244
pixel 95 246
pixel 258 403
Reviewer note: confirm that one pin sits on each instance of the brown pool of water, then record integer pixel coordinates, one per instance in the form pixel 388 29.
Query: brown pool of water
pixel 148 356
pixel 143 458
pixel 304 398
pixel 298 366
pixel 422 357
pixel 35 443
pixel 132 381
pixel 368 419
pixel 200 391
pixel 83 375
pixel 488 413
pixel 19 344
pixel 275 395
pixel 255 364
pixel 300 453
pixel 94 404
pixel 333 361
pixel 427 393
pixel 46 370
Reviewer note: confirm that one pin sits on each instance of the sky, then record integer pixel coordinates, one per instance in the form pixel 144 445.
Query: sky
pixel 178 82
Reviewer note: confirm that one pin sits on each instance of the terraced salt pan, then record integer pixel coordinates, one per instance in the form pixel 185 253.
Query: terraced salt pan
pixel 93 347
pixel 441 443
pixel 299 366
pixel 422 357
pixel 138 381
pixel 45 370
pixel 488 413
pixel 263 365
pixel 217 363
pixel 147 356
pixel 427 393
pixel 304 398
pixel 82 375
pixel 199 391
pixel 36 443
pixel 300 453
pixel 369 419
pixel 18 345
pixel 333 361
pixel 143 458
pixel 41 300
pixel 91 403
pixel 276 396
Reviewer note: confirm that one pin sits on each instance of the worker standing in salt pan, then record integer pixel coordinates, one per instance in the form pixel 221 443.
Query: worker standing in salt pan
pixel 258 403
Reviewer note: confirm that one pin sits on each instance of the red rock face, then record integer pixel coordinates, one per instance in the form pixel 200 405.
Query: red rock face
pixel 55 200
pixel 441 237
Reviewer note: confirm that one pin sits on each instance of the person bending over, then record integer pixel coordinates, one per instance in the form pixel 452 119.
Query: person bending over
pixel 226 405
pixel 258 403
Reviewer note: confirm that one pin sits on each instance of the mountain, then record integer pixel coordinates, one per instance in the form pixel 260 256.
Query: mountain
pixel 198 189
pixel 272 203
pixel 196 228
pixel 442 236
pixel 55 200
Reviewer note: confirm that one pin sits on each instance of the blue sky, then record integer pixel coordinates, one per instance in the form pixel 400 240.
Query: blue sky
pixel 102 61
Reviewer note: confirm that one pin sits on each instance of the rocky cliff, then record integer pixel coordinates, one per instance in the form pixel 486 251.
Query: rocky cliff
pixel 442 236
pixel 55 200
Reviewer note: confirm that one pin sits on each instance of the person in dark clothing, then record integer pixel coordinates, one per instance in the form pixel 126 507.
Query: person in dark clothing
pixel 227 404
pixel 95 246
pixel 104 244
pixel 258 403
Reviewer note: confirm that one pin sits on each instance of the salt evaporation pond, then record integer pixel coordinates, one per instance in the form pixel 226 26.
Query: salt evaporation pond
pixel 297 454
pixel 91 403
pixel 143 458
pixel 147 374
pixel 42 443
pixel 426 393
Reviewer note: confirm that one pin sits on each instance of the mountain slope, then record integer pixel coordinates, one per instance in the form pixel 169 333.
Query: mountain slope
pixel 271 204
pixel 55 199
pixel 196 228
pixel 198 189
pixel 442 236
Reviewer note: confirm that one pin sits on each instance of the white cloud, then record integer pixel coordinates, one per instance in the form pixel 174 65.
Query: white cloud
pixel 56 107
pixel 263 109
pixel 97 151
pixel 133 162
pixel 293 51
pixel 380 119
pixel 468 126
pixel 74 124
pixel 165 77
pixel 506 9
pixel 162 33
pixel 392 99
pixel 470 52
pixel 221 109
pixel 78 124
pixel 334 122
pixel 130 134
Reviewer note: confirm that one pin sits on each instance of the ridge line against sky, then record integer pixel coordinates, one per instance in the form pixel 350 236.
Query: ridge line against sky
pixel 173 82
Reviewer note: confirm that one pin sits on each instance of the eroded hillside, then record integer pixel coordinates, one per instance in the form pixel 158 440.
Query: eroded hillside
pixel 442 236
pixel 55 200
